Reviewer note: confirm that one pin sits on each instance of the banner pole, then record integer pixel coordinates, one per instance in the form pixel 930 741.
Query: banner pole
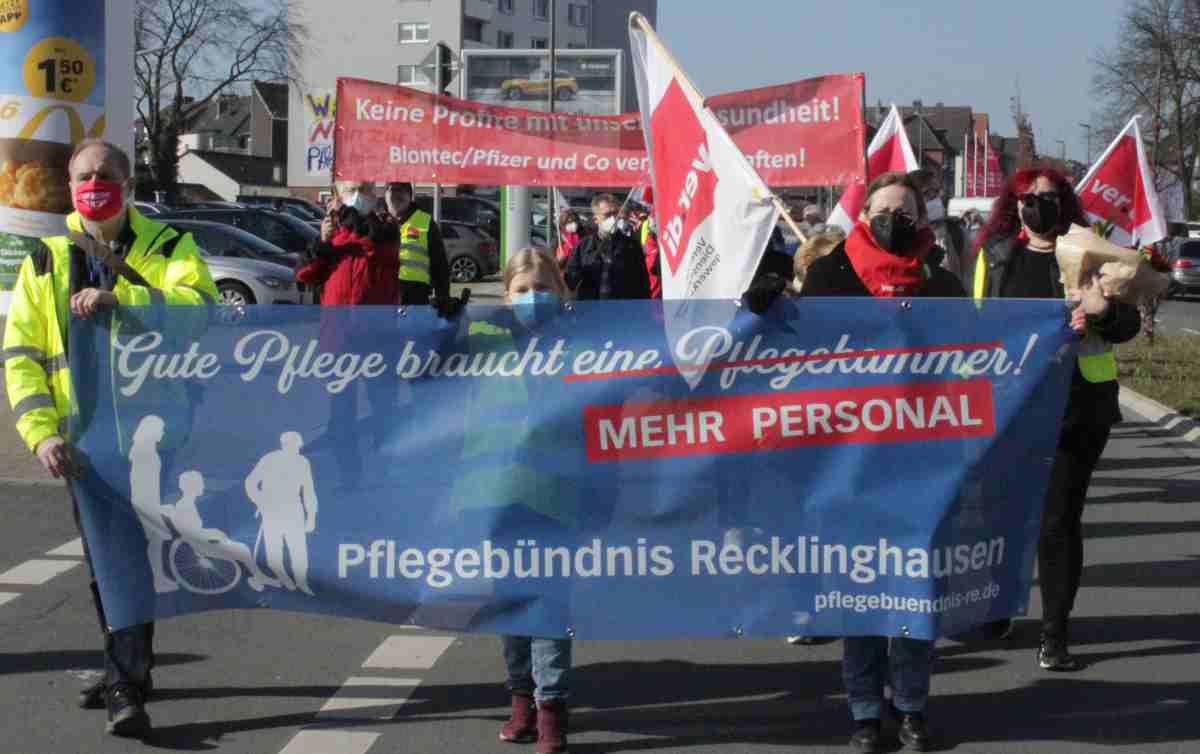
pixel 690 89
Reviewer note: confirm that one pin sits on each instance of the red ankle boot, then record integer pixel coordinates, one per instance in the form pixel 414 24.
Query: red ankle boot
pixel 551 727
pixel 521 727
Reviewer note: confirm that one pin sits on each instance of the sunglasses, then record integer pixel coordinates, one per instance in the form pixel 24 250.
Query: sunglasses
pixel 1049 196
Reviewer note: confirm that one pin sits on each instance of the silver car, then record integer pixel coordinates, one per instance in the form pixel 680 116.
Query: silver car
pixel 1185 269
pixel 251 281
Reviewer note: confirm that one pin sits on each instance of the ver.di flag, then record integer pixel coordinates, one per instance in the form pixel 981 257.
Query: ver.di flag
pixel 889 151
pixel 1120 189
pixel 714 213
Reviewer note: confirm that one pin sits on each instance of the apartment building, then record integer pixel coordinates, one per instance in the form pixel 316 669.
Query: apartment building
pixel 394 40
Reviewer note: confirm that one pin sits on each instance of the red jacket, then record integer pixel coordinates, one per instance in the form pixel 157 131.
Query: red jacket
pixel 354 270
pixel 652 265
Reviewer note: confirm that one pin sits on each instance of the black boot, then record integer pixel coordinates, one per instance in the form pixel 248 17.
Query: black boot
pixel 867 736
pixel 913 732
pixel 1053 654
pixel 92 696
pixel 126 714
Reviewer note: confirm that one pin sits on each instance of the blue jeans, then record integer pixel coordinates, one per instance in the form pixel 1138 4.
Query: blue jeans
pixel 537 666
pixel 867 665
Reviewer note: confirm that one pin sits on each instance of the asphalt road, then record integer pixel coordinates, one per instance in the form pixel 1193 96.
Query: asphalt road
pixel 262 682
pixel 1180 316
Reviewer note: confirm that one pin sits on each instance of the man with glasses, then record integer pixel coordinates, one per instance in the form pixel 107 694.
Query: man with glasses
pixel 609 263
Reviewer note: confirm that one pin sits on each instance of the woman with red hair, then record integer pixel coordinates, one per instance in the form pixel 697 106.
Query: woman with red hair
pixel 1016 260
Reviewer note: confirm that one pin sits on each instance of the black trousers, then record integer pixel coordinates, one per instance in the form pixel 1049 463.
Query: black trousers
pixel 129 652
pixel 1060 546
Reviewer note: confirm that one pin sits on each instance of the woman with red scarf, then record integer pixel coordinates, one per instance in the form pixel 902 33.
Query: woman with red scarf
pixel 885 256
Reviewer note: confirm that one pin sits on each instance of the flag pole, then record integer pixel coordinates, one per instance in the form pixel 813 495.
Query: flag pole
pixel 693 93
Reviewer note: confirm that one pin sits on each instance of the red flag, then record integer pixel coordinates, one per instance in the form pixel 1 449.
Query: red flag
pixel 890 151
pixel 1120 189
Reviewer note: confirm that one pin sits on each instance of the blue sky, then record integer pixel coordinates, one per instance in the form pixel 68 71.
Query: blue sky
pixel 959 53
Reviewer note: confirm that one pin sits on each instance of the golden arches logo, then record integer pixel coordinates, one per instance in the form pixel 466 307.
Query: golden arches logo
pixel 74 123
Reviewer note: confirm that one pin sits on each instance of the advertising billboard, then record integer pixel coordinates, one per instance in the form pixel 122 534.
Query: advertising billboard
pixel 585 81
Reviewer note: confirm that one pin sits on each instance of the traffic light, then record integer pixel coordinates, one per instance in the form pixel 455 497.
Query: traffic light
pixel 444 67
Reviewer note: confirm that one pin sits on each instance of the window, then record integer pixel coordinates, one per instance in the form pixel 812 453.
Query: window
pixel 577 15
pixel 412 75
pixel 505 6
pixel 472 30
pixel 541 9
pixel 415 32
pixel 539 43
pixel 505 40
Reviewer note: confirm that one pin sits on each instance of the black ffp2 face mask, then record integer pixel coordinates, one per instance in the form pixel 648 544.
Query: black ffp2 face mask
pixel 893 233
pixel 1041 216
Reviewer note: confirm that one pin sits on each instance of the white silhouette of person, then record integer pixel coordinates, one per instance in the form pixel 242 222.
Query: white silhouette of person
pixel 210 542
pixel 281 486
pixel 145 480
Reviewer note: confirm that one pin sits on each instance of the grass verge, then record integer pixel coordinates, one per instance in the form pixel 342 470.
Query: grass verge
pixel 1168 371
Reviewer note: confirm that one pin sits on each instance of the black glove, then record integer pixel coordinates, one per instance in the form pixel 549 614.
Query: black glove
pixel 450 307
pixel 762 293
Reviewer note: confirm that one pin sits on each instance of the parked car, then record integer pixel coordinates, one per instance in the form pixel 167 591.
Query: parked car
pixel 470 253
pixel 150 208
pixel 291 205
pixel 209 205
pixel 538 85
pixel 472 210
pixel 287 232
pixel 1185 270
pixel 245 268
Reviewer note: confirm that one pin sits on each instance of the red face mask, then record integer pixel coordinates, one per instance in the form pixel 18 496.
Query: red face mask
pixel 99 200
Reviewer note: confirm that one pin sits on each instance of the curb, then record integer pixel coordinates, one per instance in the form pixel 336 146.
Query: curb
pixel 1167 418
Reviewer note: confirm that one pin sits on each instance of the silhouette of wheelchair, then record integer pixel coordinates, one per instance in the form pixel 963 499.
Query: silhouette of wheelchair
pixel 201 572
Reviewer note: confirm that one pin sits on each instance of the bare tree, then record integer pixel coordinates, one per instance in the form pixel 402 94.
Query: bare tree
pixel 1154 70
pixel 191 51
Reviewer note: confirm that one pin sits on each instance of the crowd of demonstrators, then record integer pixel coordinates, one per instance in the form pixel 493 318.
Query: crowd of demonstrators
pixel 111 256
pixel 609 263
pixel 366 256
pixel 1017 260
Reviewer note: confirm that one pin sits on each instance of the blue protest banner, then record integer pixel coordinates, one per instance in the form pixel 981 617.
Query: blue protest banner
pixel 840 467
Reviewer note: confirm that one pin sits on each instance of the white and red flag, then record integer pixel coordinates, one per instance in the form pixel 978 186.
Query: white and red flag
pixel 889 151
pixel 1120 189
pixel 714 213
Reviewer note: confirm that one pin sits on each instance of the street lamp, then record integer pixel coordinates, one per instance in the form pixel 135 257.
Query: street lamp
pixel 1088 129
pixel 1062 149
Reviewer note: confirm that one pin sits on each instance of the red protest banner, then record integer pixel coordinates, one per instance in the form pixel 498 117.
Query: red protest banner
pixel 806 133
pixel 387 132
pixel 802 134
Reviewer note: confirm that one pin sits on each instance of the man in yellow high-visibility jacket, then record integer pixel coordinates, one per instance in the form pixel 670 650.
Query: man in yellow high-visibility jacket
pixel 58 281
pixel 423 266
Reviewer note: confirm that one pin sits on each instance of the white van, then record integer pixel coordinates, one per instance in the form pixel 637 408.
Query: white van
pixel 960 204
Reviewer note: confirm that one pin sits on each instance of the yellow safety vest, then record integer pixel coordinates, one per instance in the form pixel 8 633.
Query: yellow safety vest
pixel 1097 363
pixel 35 336
pixel 414 248
pixel 645 232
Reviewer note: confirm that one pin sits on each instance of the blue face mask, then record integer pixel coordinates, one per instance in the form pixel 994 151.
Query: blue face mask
pixel 533 308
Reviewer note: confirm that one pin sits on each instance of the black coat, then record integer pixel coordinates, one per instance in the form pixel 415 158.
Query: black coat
pixel 1090 403
pixel 628 278
pixel 833 275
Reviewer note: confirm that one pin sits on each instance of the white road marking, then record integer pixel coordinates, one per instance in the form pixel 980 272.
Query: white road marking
pixel 330 741
pixel 348 702
pixel 407 651
pixel 6 597
pixel 72 549
pixel 36 572
pixel 1190 331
